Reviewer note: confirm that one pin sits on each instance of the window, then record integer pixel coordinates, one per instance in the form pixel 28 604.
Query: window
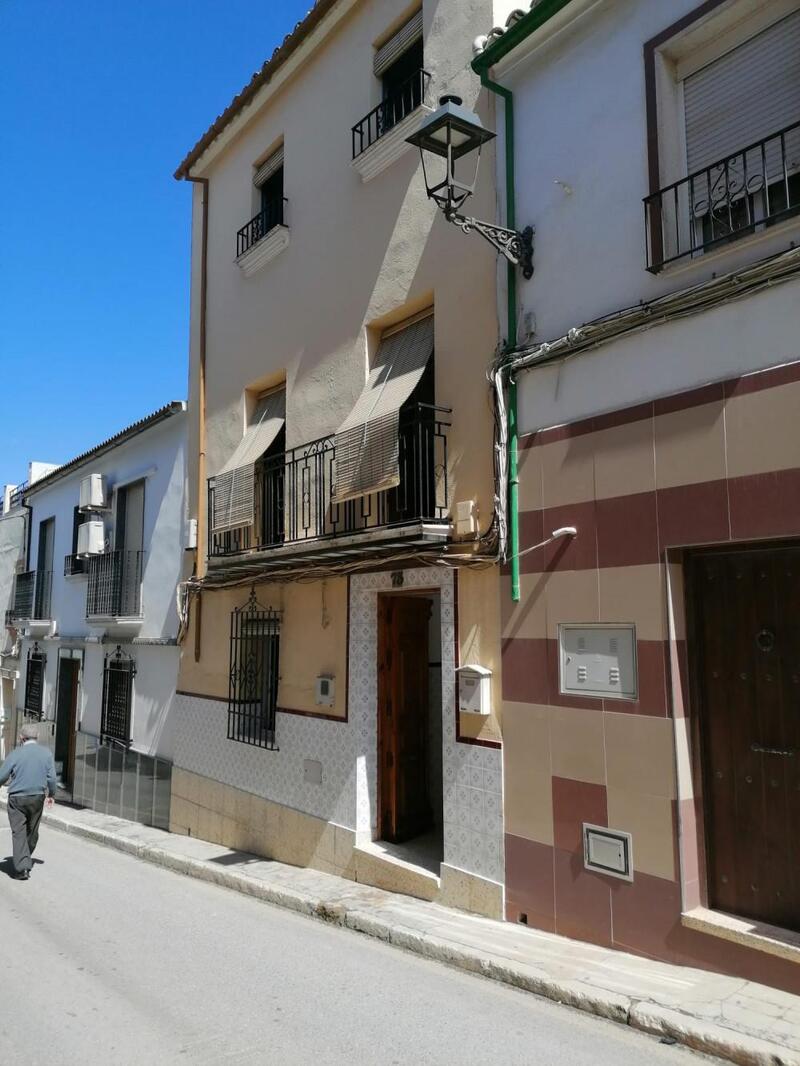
pixel 399 66
pixel 34 683
pixel 402 85
pixel 44 568
pixel 268 183
pixel 233 492
pixel 118 673
pixel 253 684
pixel 369 442
pixel 736 113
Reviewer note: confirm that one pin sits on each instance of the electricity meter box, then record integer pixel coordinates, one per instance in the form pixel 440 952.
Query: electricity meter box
pixel 474 690
pixel 325 691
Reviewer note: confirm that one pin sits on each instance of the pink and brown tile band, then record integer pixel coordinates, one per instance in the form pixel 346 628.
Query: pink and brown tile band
pixel 714 465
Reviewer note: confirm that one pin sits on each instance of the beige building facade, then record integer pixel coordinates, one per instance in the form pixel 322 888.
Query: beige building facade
pixel 341 469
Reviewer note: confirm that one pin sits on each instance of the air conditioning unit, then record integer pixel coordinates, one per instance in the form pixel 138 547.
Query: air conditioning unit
pixel 91 539
pixel 93 493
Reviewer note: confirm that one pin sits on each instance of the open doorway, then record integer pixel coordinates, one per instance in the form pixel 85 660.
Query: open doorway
pixel 410 725
pixel 66 720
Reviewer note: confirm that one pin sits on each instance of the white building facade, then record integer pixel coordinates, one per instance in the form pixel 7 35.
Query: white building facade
pixel 649 667
pixel 93 612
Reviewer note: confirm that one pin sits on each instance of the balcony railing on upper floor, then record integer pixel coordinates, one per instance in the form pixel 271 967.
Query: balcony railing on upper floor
pixel 397 106
pixel 114 589
pixel 294 491
pixel 743 193
pixel 31 597
pixel 270 216
pixel 74 565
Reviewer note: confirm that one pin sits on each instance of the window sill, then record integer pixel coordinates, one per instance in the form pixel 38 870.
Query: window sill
pixel 390 147
pixel 264 251
pixel 759 936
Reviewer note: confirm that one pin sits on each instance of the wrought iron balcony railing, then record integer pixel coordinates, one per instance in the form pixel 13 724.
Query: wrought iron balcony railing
pixel 294 491
pixel 744 193
pixel 270 216
pixel 407 98
pixel 31 596
pixel 115 585
pixel 74 565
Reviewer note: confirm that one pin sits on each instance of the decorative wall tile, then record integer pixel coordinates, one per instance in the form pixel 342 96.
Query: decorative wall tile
pixel 471 774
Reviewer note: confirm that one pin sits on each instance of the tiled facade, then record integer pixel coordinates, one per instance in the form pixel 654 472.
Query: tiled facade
pixel 347 750
pixel 715 465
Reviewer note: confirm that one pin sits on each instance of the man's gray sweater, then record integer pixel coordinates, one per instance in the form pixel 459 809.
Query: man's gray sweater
pixel 31 770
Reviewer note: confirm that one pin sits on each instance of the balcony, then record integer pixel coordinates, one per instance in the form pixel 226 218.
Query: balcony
pixel 31 597
pixel 294 492
pixel 270 216
pixel 745 193
pixel 380 137
pixel 74 565
pixel 114 590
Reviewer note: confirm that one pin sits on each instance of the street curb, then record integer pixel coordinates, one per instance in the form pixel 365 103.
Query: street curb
pixel 668 1023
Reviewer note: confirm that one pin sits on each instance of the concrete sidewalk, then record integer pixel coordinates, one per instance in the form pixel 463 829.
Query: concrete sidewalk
pixel 735 1019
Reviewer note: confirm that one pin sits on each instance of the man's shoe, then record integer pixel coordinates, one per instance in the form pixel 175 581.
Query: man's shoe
pixel 24 875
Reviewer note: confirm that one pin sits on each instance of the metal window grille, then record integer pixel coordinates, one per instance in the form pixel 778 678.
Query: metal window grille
pixel 253 685
pixel 118 673
pixel 34 683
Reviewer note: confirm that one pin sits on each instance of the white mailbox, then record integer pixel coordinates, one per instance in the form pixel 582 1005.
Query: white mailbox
pixel 474 689
pixel 598 660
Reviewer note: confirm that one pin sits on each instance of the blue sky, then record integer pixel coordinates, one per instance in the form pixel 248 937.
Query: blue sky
pixel 101 100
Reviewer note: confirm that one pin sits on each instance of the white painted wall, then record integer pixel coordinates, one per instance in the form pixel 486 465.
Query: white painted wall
pixel 580 121
pixel 357 254
pixel 159 456
pixel 12 549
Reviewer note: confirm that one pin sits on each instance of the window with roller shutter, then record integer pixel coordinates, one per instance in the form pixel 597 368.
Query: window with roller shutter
pixel 740 116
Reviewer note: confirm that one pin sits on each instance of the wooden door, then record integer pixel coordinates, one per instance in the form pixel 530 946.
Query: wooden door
pixel 747 610
pixel 66 718
pixel 405 809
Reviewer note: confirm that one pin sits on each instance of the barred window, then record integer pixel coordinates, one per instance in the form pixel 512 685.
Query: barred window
pixel 118 673
pixel 34 683
pixel 253 686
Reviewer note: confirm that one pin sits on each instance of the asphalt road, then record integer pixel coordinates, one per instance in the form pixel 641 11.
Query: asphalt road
pixel 110 960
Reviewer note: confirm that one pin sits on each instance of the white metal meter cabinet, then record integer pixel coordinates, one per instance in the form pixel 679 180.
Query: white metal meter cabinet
pixel 474 690
pixel 598 660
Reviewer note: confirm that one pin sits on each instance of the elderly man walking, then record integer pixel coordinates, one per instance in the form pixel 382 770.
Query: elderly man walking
pixel 32 773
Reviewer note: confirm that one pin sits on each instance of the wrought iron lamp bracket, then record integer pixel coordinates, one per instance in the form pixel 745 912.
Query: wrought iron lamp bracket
pixel 515 246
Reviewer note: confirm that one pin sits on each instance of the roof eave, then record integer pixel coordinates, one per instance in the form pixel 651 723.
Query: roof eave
pixel 148 422
pixel 520 31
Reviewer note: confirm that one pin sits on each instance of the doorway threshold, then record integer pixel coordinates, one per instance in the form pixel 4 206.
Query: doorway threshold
pixel 760 936
pixel 411 868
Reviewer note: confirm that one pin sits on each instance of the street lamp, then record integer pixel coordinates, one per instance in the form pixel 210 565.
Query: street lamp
pixel 445 139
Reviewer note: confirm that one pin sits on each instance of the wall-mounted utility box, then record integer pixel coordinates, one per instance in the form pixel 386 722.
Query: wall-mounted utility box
pixel 466 518
pixel 598 660
pixel 608 851
pixel 93 493
pixel 474 690
pixel 325 691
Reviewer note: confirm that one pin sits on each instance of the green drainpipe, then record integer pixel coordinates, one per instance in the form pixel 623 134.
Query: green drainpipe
pixel 513 432
pixel 524 27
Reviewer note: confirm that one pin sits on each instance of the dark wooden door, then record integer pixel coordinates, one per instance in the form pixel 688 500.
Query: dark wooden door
pixel 748 625
pixel 66 718
pixel 405 809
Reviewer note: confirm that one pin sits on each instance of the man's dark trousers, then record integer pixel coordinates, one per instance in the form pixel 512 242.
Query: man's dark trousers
pixel 24 814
